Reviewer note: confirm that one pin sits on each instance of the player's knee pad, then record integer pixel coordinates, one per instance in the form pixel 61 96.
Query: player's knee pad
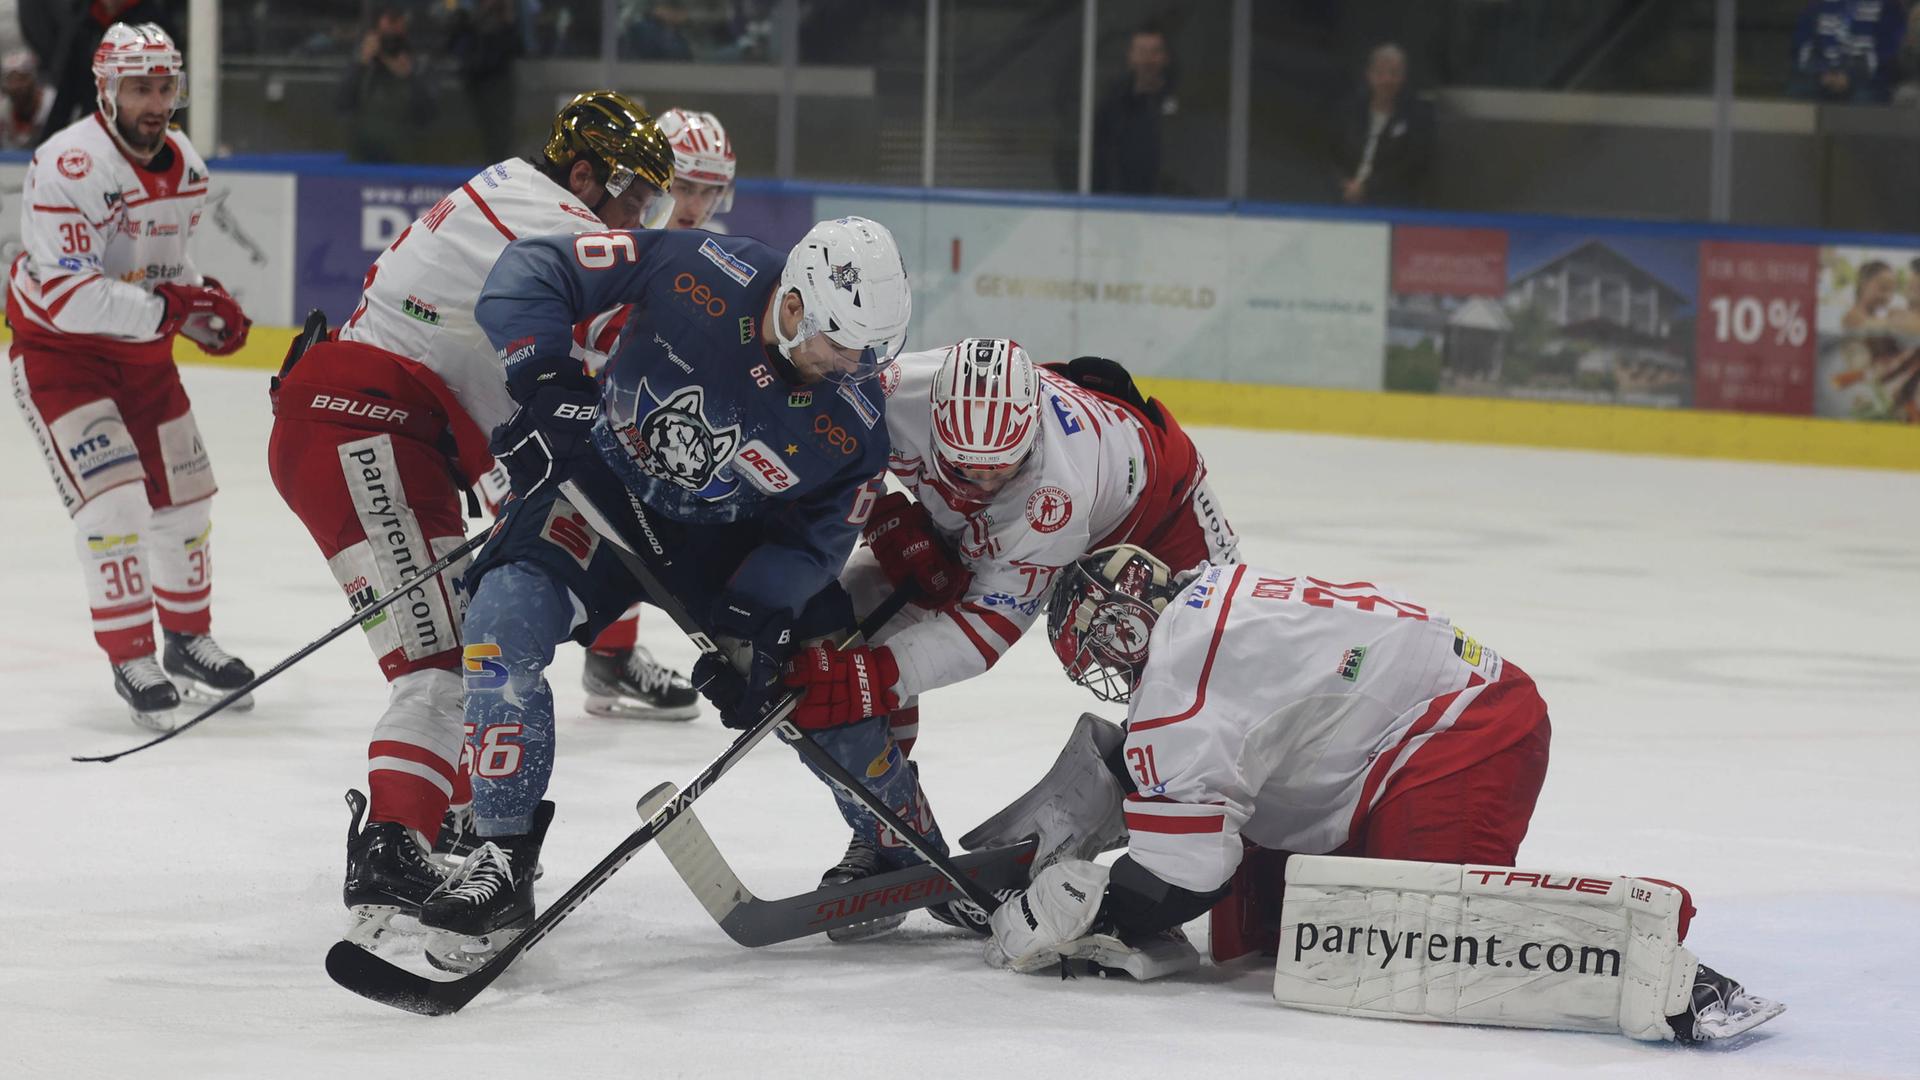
pixel 1484 945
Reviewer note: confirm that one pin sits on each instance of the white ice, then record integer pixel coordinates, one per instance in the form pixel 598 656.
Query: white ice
pixel 1729 651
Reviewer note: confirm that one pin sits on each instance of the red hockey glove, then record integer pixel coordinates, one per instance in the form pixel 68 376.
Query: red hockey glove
pixel 843 686
pixel 902 537
pixel 208 317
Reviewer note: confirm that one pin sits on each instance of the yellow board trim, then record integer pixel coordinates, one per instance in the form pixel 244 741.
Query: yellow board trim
pixel 1621 429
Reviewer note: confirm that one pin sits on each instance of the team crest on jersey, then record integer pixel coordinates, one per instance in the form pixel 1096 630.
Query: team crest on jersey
pixel 889 379
pixel 583 214
pixel 675 442
pixel 74 163
pixel 1049 509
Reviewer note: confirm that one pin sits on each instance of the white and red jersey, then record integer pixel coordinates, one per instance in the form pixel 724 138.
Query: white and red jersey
pixel 1091 462
pixel 1283 708
pixel 99 232
pixel 419 295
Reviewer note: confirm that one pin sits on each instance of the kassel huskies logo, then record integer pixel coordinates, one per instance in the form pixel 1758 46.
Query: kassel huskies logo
pixel 675 442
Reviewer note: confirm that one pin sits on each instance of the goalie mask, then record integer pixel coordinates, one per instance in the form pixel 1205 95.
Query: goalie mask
pixel 853 291
pixel 1100 614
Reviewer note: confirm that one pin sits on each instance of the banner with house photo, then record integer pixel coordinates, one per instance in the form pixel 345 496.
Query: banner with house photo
pixel 1542 314
pixel 1868 325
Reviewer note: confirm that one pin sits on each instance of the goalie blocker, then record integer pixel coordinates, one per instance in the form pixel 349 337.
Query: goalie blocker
pixel 1497 945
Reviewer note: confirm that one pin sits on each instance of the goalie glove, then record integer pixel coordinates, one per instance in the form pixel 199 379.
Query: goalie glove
pixel 1047 922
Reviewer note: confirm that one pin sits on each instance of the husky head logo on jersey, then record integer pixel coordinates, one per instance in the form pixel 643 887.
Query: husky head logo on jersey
pixel 675 442
pixel 1101 614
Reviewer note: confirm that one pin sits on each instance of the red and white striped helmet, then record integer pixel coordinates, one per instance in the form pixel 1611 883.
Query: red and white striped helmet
pixel 702 152
pixel 986 405
pixel 134 49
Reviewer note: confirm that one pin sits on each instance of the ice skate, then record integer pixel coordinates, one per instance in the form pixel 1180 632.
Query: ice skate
pixel 388 875
pixel 487 902
pixel 204 671
pixel 861 860
pixel 152 697
pixel 1721 1009
pixel 634 686
pixel 458 839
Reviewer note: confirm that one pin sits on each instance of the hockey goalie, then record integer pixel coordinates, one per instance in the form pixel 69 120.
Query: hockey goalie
pixel 1397 757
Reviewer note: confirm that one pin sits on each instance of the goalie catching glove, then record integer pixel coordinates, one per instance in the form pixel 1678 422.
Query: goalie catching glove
pixel 904 542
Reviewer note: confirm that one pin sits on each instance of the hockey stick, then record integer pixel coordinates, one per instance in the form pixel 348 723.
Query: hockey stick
pixel 378 980
pixel 359 617
pixel 790 733
pixel 754 922
pixel 356 619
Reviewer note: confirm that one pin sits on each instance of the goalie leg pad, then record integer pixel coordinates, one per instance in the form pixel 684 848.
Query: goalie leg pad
pixel 1484 945
pixel 1075 810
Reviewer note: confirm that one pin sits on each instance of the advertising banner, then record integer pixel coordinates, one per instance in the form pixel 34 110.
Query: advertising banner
pixel 1754 341
pixel 345 221
pixel 1572 316
pixel 1175 295
pixel 245 237
pixel 1869 327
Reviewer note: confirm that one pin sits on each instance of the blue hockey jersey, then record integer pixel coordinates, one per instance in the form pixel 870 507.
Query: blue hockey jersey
pixel 700 419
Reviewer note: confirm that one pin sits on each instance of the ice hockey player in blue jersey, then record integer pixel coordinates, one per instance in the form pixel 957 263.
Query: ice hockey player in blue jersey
pixel 737 431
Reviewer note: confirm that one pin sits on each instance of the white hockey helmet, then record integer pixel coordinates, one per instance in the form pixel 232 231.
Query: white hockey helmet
pixel 986 414
pixel 853 285
pixel 134 49
pixel 702 152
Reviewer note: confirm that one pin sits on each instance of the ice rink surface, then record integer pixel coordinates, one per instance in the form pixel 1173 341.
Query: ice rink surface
pixel 1730 651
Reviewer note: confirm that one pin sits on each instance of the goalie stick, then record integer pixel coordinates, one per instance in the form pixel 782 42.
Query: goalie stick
pixel 754 922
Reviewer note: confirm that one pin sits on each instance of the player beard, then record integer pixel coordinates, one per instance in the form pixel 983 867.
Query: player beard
pixel 137 139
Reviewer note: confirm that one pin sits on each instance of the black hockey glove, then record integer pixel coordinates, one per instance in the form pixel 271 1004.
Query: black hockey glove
pixel 560 409
pixel 766 634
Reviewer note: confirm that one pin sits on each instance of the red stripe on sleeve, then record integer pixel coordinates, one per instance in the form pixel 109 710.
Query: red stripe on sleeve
pixel 1178 826
pixel 987 652
pixel 488 211
pixel 1206 669
pixel 995 621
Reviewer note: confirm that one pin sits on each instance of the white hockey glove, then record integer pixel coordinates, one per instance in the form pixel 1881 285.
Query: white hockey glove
pixel 1035 929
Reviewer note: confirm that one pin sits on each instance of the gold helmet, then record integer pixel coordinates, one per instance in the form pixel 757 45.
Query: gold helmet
pixel 618 139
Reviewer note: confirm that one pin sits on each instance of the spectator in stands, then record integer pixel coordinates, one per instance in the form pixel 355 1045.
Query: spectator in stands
pixel 1126 126
pixel 385 95
pixel 24 103
pixel 1847 50
pixel 64 33
pixel 1908 92
pixel 483 43
pixel 1386 137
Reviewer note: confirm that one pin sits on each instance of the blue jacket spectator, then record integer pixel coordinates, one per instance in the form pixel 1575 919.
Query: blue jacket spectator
pixel 1845 50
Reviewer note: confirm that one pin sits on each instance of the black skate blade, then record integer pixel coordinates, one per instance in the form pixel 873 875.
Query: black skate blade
pixel 626 707
pixel 375 979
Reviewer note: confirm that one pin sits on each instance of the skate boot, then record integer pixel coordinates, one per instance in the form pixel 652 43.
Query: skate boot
pixel 967 915
pixel 459 839
pixel 388 874
pixel 487 902
pixel 206 672
pixel 148 692
pixel 632 685
pixel 861 860
pixel 1720 1009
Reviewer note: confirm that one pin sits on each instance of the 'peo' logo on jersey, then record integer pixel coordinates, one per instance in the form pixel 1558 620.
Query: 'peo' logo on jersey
pixel 674 441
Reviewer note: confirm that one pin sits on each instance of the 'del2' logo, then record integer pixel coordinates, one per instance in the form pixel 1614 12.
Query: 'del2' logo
pixel 484 668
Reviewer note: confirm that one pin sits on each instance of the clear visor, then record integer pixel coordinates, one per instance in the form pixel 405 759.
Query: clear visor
pixel 814 350
pixel 169 91
pixel 978 484
pixel 650 208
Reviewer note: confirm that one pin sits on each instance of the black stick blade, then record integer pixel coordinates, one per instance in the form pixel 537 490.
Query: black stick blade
pixel 377 980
